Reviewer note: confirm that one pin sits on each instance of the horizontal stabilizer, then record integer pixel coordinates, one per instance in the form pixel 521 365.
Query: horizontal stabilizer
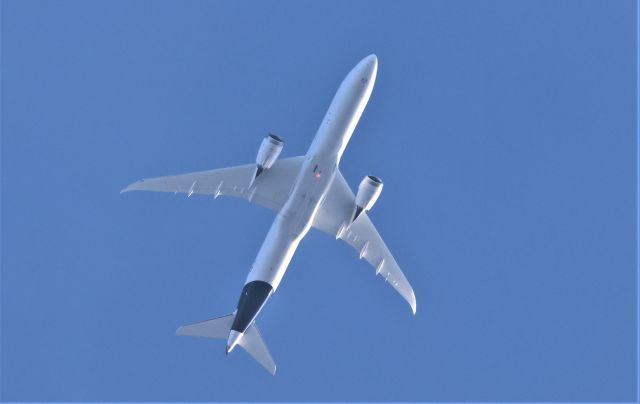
pixel 215 328
pixel 253 343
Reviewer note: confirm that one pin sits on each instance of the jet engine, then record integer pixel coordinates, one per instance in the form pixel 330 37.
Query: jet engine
pixel 268 153
pixel 368 192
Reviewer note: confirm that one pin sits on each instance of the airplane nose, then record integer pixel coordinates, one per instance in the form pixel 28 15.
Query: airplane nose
pixel 369 66
pixel 363 75
pixel 371 61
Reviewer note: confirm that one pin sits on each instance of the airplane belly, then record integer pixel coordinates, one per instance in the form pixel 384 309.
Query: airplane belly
pixel 289 227
pixel 296 188
pixel 274 255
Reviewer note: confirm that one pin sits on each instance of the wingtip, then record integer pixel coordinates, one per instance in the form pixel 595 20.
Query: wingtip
pixel 131 187
pixel 413 303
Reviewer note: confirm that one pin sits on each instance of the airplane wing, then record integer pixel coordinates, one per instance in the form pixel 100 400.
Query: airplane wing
pixel 334 216
pixel 271 189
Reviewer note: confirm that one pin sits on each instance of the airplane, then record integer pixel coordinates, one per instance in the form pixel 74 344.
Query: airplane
pixel 304 191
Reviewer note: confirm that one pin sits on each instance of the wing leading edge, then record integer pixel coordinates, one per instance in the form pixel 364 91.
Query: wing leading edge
pixel 271 189
pixel 334 217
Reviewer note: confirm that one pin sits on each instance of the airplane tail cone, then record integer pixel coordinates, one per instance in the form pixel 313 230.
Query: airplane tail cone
pixel 232 341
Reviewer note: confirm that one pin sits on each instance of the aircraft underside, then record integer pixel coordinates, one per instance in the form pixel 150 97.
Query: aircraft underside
pixel 305 192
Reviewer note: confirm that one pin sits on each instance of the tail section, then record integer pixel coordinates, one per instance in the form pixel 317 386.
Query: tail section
pixel 253 343
pixel 220 327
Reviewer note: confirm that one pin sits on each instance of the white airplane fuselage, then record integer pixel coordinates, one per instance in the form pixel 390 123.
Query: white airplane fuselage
pixel 295 218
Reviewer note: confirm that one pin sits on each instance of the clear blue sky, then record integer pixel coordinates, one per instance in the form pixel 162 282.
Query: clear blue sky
pixel 504 132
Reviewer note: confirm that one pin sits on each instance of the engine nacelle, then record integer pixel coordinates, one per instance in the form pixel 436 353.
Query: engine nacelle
pixel 368 192
pixel 269 151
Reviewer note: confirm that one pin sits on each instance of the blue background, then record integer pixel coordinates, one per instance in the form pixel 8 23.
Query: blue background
pixel 504 132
